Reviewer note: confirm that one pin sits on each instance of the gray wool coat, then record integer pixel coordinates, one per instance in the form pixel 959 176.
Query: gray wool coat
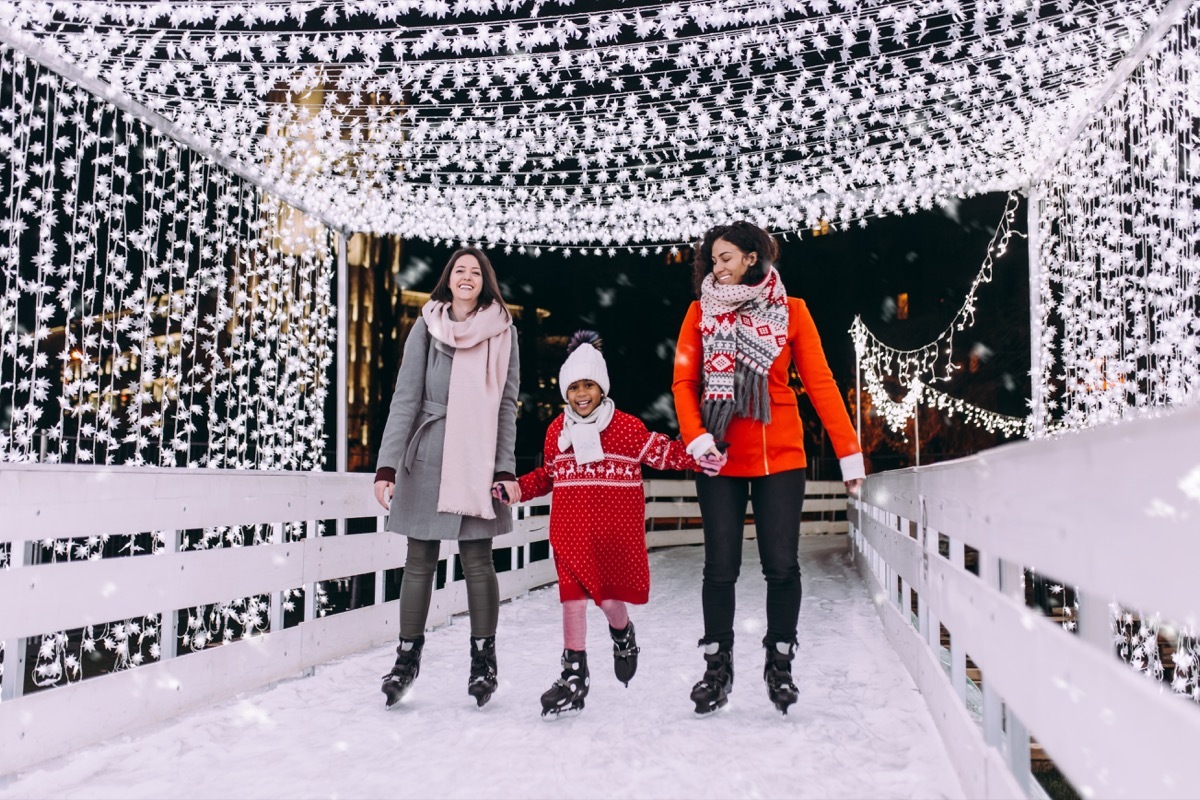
pixel 416 432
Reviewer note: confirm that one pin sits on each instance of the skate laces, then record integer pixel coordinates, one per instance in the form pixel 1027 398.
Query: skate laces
pixel 481 669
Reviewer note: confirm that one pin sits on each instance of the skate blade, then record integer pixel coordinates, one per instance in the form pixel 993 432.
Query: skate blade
pixel 553 716
pixel 707 713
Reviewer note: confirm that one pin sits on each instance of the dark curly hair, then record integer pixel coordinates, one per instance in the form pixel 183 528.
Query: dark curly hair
pixel 747 237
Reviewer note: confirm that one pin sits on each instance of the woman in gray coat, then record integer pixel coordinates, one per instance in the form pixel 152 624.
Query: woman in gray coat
pixel 449 437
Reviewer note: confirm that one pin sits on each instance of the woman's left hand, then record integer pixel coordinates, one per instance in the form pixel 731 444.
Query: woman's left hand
pixel 853 486
pixel 511 492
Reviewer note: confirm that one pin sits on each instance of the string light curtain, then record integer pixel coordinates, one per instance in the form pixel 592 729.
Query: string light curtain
pixel 154 309
pixel 540 126
pixel 1118 295
pixel 1119 234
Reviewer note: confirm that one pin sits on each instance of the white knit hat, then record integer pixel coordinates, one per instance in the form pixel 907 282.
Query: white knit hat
pixel 584 362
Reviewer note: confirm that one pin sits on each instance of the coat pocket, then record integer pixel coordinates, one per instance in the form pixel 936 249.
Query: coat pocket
pixel 783 397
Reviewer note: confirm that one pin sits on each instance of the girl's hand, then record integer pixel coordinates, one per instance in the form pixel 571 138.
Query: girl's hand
pixel 711 466
pixel 507 492
pixel 383 493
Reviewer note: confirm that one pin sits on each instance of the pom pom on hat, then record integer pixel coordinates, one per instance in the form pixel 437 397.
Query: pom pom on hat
pixel 584 362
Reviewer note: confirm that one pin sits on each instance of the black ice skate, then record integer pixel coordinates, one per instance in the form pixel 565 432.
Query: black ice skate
pixel 483 682
pixel 408 665
pixel 777 672
pixel 566 696
pixel 625 652
pixel 712 692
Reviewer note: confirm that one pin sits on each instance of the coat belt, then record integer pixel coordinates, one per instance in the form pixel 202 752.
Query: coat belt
pixel 432 412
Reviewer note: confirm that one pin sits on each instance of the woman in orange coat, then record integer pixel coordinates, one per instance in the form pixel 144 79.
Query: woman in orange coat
pixel 731 391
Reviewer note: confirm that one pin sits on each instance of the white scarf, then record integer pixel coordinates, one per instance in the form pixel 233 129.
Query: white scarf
pixel 584 432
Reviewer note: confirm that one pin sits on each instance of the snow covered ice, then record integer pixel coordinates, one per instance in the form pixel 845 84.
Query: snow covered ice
pixel 860 728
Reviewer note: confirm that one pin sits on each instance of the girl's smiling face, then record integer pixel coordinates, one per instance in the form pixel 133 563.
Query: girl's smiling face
pixel 730 262
pixel 584 396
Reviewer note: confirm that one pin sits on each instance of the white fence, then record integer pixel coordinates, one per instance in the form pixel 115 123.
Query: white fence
pixel 1114 511
pixel 42 502
pixel 674 513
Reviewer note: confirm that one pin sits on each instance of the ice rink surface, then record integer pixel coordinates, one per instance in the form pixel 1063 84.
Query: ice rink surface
pixel 860 729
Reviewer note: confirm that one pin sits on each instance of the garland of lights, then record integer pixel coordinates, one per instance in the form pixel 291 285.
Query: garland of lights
pixel 932 362
pixel 604 132
pixel 153 310
pixel 915 369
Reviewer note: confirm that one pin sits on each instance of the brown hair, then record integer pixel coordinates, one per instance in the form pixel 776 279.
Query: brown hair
pixel 745 236
pixel 490 293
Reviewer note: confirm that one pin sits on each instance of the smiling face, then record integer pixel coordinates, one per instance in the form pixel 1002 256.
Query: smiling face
pixel 730 262
pixel 584 396
pixel 466 279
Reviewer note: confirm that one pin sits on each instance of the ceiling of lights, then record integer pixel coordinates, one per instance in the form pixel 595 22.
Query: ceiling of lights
pixel 608 125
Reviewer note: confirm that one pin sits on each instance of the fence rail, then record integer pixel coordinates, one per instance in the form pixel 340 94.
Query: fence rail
pixel 41 502
pixel 673 512
pixel 44 502
pixel 1113 511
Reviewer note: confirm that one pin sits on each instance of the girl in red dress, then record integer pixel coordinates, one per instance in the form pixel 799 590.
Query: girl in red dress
pixel 593 457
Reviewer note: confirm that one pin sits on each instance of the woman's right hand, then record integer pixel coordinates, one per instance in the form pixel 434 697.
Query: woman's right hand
pixel 712 460
pixel 383 493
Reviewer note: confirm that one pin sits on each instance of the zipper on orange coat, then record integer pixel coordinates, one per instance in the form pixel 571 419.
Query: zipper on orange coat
pixel 766 465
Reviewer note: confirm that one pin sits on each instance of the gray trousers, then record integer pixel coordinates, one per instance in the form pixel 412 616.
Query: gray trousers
pixel 416 590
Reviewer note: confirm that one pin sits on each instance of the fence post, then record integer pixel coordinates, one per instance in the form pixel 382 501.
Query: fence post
pixel 381 575
pixel 310 589
pixel 1012 583
pixel 1095 620
pixel 993 704
pixel 934 623
pixel 168 627
pixel 958 656
pixel 13 684
pixel 922 596
pixel 276 609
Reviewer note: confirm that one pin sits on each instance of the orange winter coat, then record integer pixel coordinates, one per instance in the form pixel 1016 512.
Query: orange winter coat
pixel 756 449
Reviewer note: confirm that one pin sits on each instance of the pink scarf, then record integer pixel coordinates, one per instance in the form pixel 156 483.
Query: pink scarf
pixel 481 345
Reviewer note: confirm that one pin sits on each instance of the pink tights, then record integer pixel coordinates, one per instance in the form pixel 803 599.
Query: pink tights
pixel 575 620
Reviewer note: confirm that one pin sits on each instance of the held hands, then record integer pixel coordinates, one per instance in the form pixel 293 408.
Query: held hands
pixel 507 492
pixel 711 461
pixel 383 493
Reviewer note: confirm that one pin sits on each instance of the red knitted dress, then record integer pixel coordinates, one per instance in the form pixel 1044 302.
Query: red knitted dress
pixel 598 517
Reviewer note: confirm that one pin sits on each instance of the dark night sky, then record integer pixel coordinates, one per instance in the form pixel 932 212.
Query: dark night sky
pixel 637 303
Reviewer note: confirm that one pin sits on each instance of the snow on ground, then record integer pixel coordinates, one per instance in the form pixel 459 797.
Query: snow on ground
pixel 861 729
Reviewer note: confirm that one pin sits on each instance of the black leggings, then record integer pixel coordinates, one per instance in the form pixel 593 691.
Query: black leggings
pixel 778 500
pixel 416 590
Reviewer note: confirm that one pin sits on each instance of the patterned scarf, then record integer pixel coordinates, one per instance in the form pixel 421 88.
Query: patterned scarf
pixel 743 328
